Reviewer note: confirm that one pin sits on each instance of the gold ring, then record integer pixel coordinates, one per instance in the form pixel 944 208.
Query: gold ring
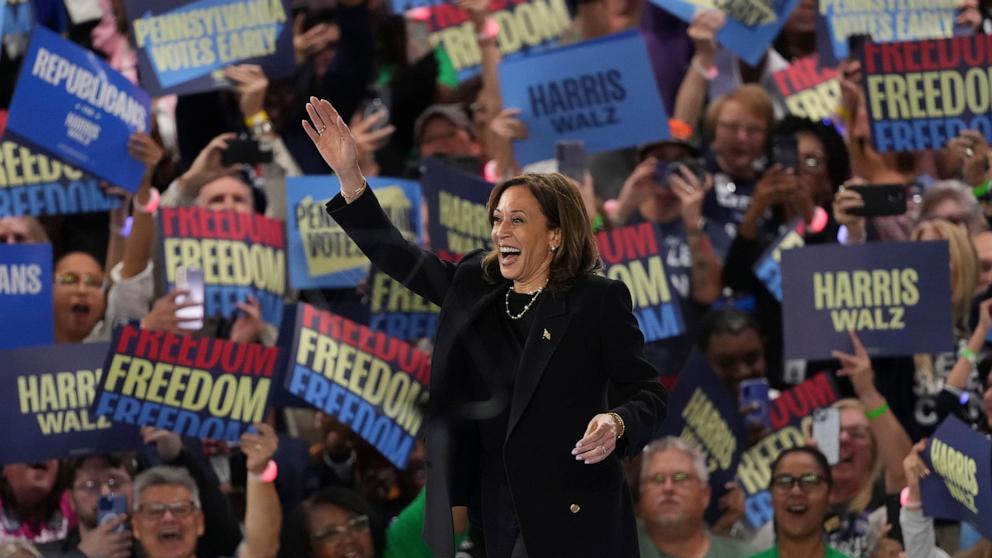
pixel 321 131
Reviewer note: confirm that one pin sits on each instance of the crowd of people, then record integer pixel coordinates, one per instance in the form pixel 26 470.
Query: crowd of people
pixel 303 483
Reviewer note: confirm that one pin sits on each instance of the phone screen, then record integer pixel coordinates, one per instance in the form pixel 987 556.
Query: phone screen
pixel 190 279
pixel 111 506
pixel 571 156
pixel 785 150
pixel 826 432
pixel 754 398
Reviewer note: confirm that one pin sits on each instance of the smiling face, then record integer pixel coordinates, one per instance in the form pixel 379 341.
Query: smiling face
pixel 31 483
pixel 338 533
pixel 166 524
pixel 739 139
pixel 78 297
pixel 521 234
pixel 856 452
pixel 800 507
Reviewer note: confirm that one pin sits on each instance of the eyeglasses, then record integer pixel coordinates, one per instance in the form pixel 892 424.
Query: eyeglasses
pixel 736 127
pixel 113 483
pixel 807 482
pixel 156 510
pixel 679 478
pixel 334 534
pixel 71 278
pixel 857 432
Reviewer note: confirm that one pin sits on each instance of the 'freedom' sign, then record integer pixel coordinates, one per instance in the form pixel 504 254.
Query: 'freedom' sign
pixel 373 383
pixel 183 45
pixel 633 255
pixel 241 255
pixel 959 490
pixel 196 386
pixel 808 90
pixel 894 295
pixel 399 312
pixel 601 92
pixel 921 94
pixel 45 398
pixel 71 104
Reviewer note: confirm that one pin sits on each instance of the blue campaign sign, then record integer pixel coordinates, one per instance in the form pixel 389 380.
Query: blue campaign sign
pixel 183 45
pixel 71 104
pixel 707 417
pixel 197 386
pixel 768 268
pixel 751 25
pixel 320 253
pixel 601 92
pixel 838 20
pixel 961 459
pixel 26 295
pixel 31 183
pixel 634 255
pixel 45 395
pixel 457 220
pixel 893 295
pixel 399 312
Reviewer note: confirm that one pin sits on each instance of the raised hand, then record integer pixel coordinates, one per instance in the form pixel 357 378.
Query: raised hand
pixel 332 138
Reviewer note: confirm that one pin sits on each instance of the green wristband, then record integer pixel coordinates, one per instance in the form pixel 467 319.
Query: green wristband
pixel 878 411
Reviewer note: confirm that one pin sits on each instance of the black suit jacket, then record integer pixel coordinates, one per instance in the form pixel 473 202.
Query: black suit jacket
pixel 582 357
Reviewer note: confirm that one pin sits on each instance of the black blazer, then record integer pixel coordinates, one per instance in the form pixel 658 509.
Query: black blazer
pixel 582 357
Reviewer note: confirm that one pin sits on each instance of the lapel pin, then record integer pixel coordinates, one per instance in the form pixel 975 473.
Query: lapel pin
pixel 547 335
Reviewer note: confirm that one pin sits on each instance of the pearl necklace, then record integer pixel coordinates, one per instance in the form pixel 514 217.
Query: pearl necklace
pixel 527 307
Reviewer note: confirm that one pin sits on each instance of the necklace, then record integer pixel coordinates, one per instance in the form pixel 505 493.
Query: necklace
pixel 527 307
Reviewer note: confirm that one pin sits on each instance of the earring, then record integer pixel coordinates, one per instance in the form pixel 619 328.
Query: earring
pixel 553 248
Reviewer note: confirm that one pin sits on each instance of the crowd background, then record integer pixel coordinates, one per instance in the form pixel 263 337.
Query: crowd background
pixel 724 205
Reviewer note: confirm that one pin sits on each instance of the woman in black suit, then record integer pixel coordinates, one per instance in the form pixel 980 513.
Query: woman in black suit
pixel 537 381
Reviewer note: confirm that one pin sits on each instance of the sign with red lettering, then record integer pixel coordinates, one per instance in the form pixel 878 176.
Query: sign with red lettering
pixel 809 91
pixel 373 383
pixel 196 386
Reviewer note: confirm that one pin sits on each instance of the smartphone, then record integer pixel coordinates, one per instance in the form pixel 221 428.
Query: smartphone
pixel 826 432
pixel 663 172
pixel 246 151
pixel 855 44
pixel 190 279
pixel 754 396
pixel 110 507
pixel 880 199
pixel 372 107
pixel 785 150
pixel 571 156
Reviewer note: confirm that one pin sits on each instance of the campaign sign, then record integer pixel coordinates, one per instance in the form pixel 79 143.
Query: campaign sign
pixel 601 92
pixel 791 423
pixel 526 27
pixel 751 25
pixel 196 386
pixel 708 417
pixel 34 184
pixel 893 295
pixel 72 105
pixel 809 90
pixel 45 398
pixel 397 311
pixel 26 295
pixel 320 253
pixel 633 255
pixel 183 46
pixel 960 489
pixel 241 255
pixel 457 220
pixel 768 268
pixel 921 94
pixel 373 383
pixel 884 22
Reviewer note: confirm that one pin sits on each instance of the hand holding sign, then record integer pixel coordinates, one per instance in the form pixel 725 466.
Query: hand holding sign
pixel 972 153
pixel 259 448
pixel 142 147
pixel 332 138
pixel 915 469
pixel 168 444
pixel 703 30
pixel 732 506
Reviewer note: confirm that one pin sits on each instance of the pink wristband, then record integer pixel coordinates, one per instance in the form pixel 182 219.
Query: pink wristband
pixel 151 206
pixel 268 475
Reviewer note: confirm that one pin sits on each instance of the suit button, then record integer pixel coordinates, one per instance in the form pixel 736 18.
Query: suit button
pixel 574 508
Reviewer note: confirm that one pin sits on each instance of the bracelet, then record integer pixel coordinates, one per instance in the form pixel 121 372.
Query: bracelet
pixel 620 425
pixel 268 475
pixel 597 223
pixel 709 74
pixel 350 198
pixel 151 206
pixel 257 118
pixel 873 414
pixel 967 354
pixel 904 501
pixel 982 189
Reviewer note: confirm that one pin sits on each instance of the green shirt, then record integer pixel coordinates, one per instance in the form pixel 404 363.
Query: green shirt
pixel 773 553
pixel 720 547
